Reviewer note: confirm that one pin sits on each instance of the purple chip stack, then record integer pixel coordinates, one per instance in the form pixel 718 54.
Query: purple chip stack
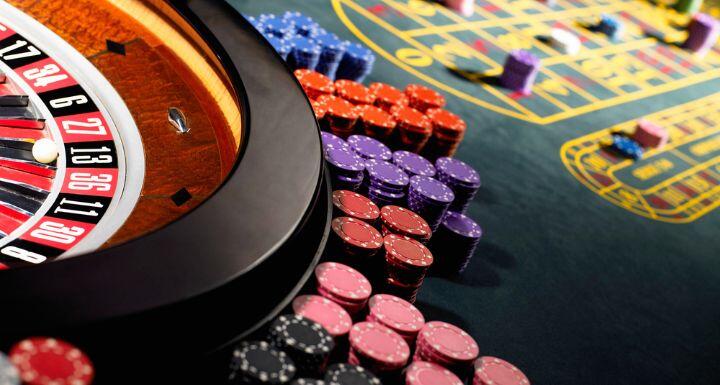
pixel 520 70
pixel 456 240
pixel 703 32
pixel 413 164
pixel 332 141
pixel 429 198
pixel 385 182
pixel 461 178
pixel 346 168
pixel 369 148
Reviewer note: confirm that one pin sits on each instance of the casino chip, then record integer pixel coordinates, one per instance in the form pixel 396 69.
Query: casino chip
pixel 375 122
pixel 340 116
pixel 387 96
pixel 325 312
pixel 448 132
pixel 369 148
pixel 351 204
pixel 413 128
pixel 456 240
pixel 346 374
pixel 8 373
pixel 401 221
pixel 354 92
pixel 49 361
pixel 428 373
pixel 447 345
pixel 406 264
pixel 314 83
pixel 397 314
pixel 430 199
pixel 413 164
pixel 343 285
pixel 421 98
pixel 377 348
pixel 627 147
pixel 462 179
pixel 259 363
pixel 309 381
pixel 356 238
pixel 385 182
pixel 304 340
pixel 494 371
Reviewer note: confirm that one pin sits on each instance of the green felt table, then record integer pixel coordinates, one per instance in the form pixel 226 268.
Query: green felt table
pixel 593 269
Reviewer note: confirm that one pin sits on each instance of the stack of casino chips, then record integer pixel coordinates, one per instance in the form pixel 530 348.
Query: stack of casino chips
pixel 627 147
pixel 332 50
pixel 611 26
pixel 257 362
pixel 703 32
pixel 314 83
pixel 462 179
pixel 375 122
pixel 384 182
pixel 428 373
pixel 407 262
pixel 327 313
pixel 346 167
pixel 347 374
pixel 423 98
pixel 306 342
pixel 43 360
pixel 351 204
pixel 401 221
pixel 272 25
pixel 304 53
pixel 493 371
pixel 429 198
pixel 413 164
pixel 308 381
pixel 355 241
pixel 378 349
pixel 340 115
pixel 456 240
pixel 343 285
pixel 356 64
pixel 520 70
pixel 8 372
pixel 301 25
pixel 387 96
pixel 369 148
pixel 354 92
pixel 448 132
pixel 413 129
pixel 398 315
pixel 447 345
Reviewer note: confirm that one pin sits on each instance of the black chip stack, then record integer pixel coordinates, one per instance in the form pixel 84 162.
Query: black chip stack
pixel 305 341
pixel 346 374
pixel 309 381
pixel 257 362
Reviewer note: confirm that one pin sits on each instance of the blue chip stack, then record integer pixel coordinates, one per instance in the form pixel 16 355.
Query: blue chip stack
pixel 430 199
pixel 280 46
pixel 356 64
pixel 385 183
pixel 610 26
pixel 332 51
pixel 272 25
pixel 461 178
pixel 346 167
pixel 627 147
pixel 302 25
pixel 304 53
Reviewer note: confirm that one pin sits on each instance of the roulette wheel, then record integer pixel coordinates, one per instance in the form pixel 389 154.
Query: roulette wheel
pixel 161 179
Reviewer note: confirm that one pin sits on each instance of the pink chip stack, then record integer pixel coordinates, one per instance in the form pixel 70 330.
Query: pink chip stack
pixel 448 346
pixel 327 313
pixel 343 285
pixel 463 7
pixel 377 348
pixel 428 373
pixel 650 135
pixel 494 371
pixel 396 314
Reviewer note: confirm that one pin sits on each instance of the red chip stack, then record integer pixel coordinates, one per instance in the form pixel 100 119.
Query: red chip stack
pixel 355 239
pixel 340 115
pixel 314 83
pixel 327 313
pixel 428 373
pixel 448 132
pixel 447 345
pixel 343 285
pixel 387 96
pixel 396 314
pixel 413 129
pixel 42 361
pixel 351 204
pixel 374 122
pixel 422 98
pixel 377 348
pixel 354 92
pixel 493 371
pixel 406 264
pixel 401 221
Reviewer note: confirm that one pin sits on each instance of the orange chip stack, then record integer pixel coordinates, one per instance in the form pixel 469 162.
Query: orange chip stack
pixel 387 96
pixel 340 115
pixel 448 133
pixel 375 122
pixel 413 129
pixel 422 98
pixel 314 83
pixel 354 92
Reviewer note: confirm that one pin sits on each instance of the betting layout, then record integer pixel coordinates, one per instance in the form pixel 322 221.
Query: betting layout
pixel 425 39
pixel 49 97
